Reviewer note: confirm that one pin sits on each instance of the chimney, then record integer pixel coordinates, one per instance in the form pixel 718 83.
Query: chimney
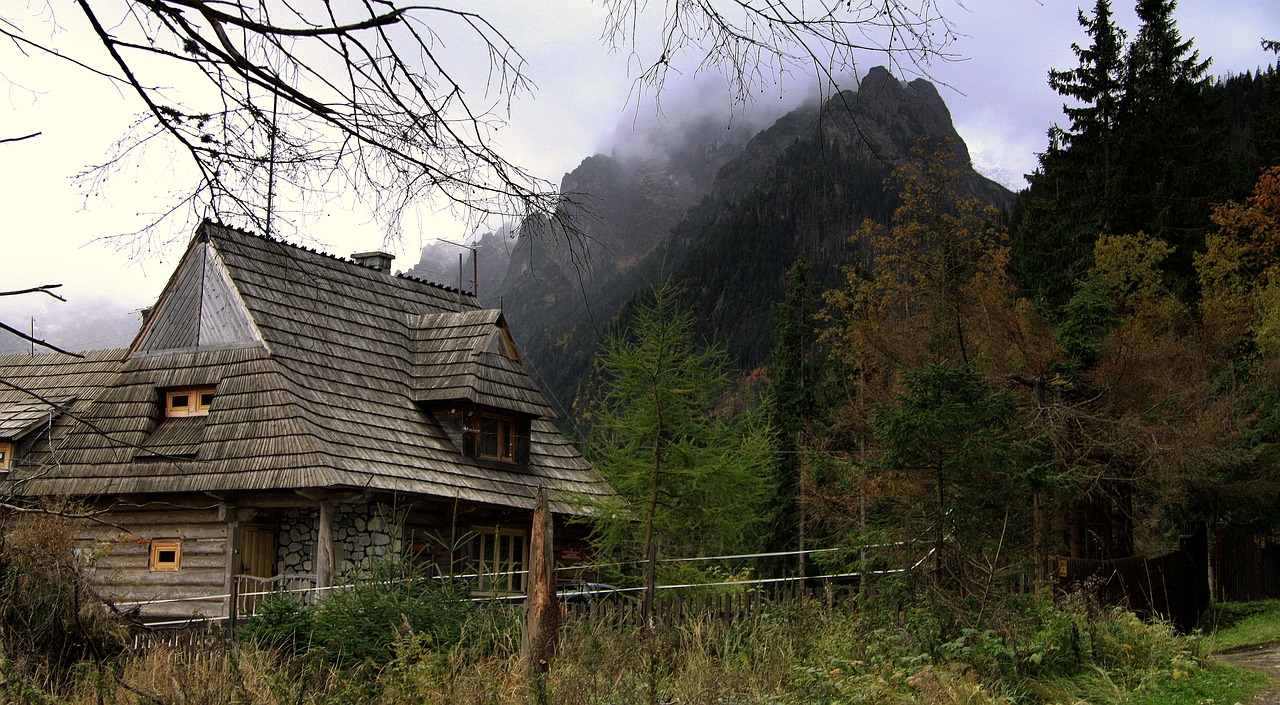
pixel 380 261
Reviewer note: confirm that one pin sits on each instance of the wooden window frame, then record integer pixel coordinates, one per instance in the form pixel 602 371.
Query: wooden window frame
pixel 504 436
pixel 498 570
pixel 188 401
pixel 159 562
pixel 6 455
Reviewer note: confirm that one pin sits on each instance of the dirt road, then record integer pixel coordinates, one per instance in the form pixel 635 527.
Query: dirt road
pixel 1260 657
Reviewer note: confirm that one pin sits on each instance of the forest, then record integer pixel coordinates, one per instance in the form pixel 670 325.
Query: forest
pixel 1088 372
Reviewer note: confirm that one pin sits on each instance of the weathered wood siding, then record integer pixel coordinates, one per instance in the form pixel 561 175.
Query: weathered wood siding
pixel 121 560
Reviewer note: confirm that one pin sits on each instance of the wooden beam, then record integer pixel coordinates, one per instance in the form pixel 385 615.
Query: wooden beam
pixel 324 545
pixel 233 567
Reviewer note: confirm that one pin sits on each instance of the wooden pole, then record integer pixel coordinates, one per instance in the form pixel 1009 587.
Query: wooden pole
pixel 324 545
pixel 541 616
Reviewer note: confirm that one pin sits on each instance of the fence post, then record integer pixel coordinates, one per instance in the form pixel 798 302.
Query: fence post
pixel 233 608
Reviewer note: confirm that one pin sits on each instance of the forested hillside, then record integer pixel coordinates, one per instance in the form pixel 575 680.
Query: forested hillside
pixel 722 218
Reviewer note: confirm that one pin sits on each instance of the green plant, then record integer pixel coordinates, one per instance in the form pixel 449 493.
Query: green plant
pixel 363 621
pixel 281 621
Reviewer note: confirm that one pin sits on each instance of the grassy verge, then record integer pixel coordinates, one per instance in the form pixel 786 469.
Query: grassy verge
pixel 1235 624
pixel 914 649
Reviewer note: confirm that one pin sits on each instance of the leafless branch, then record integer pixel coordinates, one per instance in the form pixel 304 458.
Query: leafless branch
pixel 46 289
pixel 3 140
pixel 37 341
pixel 373 98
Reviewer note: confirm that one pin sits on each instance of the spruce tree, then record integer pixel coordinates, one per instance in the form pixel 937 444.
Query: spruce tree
pixel 1168 161
pixel 1073 199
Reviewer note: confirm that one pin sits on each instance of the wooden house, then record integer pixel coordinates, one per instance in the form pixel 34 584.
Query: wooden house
pixel 289 416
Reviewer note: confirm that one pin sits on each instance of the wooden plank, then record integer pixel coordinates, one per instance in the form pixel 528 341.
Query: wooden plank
pixel 144 578
pixel 112 562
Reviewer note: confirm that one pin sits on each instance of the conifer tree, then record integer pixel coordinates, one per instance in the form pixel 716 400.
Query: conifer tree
pixel 1073 196
pixel 693 477
pixel 1168 167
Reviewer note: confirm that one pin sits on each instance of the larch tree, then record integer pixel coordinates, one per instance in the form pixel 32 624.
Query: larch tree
pixel 693 477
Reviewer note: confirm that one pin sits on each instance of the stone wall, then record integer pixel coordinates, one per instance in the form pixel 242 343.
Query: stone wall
pixel 297 544
pixel 362 533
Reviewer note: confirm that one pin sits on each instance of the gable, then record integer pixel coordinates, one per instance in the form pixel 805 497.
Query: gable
pixel 199 308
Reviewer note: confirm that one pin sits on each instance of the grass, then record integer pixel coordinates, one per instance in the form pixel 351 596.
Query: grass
pixel 1233 624
pixel 1030 651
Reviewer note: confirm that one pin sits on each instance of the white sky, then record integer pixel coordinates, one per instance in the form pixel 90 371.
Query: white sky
pixel 998 96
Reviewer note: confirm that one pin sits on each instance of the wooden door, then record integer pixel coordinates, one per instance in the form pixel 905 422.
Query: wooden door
pixel 257 551
pixel 257 566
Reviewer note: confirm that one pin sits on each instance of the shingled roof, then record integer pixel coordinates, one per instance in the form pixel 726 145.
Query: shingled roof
pixel 326 372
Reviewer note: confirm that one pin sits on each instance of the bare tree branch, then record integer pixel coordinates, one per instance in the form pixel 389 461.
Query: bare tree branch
pixel 45 289
pixel 19 139
pixel 37 341
pixel 265 97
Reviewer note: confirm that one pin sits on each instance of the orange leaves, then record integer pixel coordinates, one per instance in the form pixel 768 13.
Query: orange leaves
pixel 1254 225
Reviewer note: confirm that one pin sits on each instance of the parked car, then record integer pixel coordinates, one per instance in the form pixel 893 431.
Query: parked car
pixel 577 593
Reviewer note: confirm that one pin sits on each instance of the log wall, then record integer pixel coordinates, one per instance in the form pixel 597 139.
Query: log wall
pixel 120 558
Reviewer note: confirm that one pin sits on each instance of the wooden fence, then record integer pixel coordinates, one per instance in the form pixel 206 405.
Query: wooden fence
pixel 674 605
pixel 1246 566
pixel 199 640
pixel 1174 586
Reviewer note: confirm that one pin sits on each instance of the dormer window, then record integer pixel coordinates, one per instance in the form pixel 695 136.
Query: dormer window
pixel 492 435
pixel 188 401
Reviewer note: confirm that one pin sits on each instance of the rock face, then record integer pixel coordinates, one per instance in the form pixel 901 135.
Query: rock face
pixel 722 213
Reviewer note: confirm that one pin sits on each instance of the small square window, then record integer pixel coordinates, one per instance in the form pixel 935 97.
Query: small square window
pixel 6 455
pixel 189 401
pixel 166 554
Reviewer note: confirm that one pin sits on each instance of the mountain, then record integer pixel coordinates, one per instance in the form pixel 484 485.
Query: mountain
pixel 721 212
pixel 479 266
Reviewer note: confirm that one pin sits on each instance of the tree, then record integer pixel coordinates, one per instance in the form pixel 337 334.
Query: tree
pixel 794 379
pixel 695 475
pixel 1073 191
pixel 932 320
pixel 935 282
pixel 1168 168
pixel 269 99
pixel 951 454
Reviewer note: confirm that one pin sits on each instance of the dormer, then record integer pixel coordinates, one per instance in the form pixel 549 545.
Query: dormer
pixel 467 373
pixel 199 309
pixel 20 425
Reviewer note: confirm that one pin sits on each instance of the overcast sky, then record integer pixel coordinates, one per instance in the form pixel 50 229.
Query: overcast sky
pixel 50 231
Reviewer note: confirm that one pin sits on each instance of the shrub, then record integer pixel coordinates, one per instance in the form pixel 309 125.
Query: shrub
pixel 281 621
pixel 362 622
pixel 50 618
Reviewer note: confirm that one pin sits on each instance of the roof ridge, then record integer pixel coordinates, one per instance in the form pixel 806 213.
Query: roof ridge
pixel 329 255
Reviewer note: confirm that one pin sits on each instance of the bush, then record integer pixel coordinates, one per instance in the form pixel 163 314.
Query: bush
pixel 281 621
pixel 363 622
pixel 50 619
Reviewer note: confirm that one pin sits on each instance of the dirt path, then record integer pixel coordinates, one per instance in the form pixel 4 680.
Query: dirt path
pixel 1259 657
